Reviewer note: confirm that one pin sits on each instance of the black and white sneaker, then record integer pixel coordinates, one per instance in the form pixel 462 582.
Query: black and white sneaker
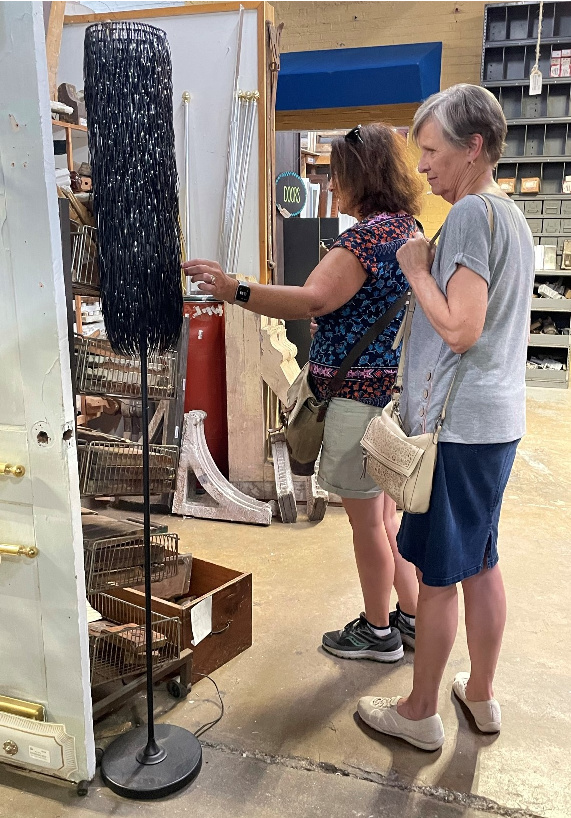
pixel 407 631
pixel 358 641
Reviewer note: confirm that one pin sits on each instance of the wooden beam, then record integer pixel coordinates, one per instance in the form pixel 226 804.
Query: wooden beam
pixel 332 118
pixel 53 44
pixel 163 11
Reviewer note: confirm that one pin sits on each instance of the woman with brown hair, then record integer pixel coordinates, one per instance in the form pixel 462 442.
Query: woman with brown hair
pixel 349 290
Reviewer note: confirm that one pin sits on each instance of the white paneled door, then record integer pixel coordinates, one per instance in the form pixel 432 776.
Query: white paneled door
pixel 43 633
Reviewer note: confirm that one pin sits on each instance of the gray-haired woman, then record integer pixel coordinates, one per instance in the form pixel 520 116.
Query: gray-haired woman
pixel 471 322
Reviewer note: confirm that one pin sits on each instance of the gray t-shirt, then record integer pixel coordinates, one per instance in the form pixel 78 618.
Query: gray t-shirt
pixel 487 403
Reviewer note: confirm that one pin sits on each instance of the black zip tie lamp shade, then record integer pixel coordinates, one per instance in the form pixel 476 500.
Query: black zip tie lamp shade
pixel 128 95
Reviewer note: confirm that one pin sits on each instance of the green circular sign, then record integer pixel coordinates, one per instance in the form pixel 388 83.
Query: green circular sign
pixel 290 193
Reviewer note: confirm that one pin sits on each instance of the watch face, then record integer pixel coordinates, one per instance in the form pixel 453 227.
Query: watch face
pixel 242 293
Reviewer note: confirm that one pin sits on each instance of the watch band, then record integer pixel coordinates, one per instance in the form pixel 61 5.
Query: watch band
pixel 242 293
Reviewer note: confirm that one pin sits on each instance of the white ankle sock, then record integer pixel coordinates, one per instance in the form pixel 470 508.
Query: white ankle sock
pixel 410 620
pixel 379 631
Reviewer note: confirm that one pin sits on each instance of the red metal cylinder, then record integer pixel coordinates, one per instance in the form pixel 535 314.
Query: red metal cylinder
pixel 206 374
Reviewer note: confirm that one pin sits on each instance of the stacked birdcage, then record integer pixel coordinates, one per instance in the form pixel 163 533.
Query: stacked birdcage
pixel 117 642
pixel 84 264
pixel 114 554
pixel 111 466
pixel 101 371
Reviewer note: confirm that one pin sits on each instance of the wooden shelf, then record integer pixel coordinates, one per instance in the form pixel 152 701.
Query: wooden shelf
pixel 69 126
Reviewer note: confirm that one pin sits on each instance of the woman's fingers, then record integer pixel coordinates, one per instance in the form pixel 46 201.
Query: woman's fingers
pixel 201 269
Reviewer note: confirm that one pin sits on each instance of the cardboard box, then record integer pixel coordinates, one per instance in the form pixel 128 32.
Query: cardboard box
pixel 566 186
pixel 231 593
pixel 555 67
pixel 530 184
pixel 566 261
pixel 539 256
pixel 565 67
pixel 507 185
pixel 566 52
pixel 549 257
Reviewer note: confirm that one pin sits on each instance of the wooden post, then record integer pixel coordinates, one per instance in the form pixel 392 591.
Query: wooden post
pixel 53 44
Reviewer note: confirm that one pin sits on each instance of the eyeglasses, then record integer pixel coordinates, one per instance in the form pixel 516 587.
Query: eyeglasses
pixel 354 136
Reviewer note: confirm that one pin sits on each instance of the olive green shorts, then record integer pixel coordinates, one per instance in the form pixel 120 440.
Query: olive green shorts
pixel 341 464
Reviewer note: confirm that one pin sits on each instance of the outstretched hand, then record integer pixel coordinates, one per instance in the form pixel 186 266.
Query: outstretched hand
pixel 211 278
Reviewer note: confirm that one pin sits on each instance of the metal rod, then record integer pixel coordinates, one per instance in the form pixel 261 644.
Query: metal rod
pixel 186 103
pixel 246 156
pixel 231 153
pixel 152 751
pixel 235 185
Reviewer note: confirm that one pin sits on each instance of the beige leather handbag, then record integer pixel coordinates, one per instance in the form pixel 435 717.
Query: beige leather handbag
pixel 400 465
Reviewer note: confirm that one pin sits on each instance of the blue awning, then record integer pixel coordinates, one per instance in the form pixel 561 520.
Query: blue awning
pixel 355 77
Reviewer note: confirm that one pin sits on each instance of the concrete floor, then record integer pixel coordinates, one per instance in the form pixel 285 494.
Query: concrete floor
pixel 290 744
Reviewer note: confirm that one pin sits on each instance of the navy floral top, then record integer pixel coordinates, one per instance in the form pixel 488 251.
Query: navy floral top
pixel 375 241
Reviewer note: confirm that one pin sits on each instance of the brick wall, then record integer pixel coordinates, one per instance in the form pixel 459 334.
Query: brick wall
pixel 311 26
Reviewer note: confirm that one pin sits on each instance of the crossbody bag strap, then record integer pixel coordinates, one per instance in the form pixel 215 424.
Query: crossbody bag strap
pixel 378 327
pixel 490 213
pixel 404 330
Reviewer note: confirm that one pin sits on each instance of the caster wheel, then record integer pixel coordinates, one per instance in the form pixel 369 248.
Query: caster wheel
pixel 83 788
pixel 98 756
pixel 176 690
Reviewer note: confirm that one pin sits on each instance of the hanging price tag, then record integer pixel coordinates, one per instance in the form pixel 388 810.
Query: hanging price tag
pixel 535 82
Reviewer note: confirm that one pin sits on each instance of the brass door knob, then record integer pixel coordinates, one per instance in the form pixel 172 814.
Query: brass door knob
pixel 10 748
pixel 15 471
pixel 29 551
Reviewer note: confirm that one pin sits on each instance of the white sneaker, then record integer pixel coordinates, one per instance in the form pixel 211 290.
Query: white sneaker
pixel 381 714
pixel 487 715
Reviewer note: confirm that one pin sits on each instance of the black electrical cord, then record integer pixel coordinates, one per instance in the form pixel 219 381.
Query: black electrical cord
pixel 209 724
pixel 201 730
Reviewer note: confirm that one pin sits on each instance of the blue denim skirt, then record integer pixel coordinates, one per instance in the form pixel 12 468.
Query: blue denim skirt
pixel 459 532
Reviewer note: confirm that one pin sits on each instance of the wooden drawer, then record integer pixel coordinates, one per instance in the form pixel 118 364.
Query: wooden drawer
pixel 231 593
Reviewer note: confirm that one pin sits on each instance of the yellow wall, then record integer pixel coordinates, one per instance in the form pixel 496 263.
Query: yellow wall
pixel 458 26
pixel 312 26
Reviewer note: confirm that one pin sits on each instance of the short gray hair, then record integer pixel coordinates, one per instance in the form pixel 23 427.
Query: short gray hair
pixel 463 110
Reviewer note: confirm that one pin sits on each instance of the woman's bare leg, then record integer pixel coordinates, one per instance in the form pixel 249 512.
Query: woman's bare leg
pixel 374 556
pixel 485 614
pixel 436 625
pixel 405 580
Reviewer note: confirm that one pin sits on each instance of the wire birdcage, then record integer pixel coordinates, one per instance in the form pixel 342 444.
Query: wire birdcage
pixel 84 263
pixel 119 562
pixel 117 643
pixel 116 468
pixel 100 371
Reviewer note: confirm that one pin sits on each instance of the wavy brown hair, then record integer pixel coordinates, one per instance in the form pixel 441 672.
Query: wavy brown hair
pixel 377 175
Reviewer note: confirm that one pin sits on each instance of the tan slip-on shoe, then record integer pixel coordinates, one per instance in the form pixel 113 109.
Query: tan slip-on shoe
pixel 487 715
pixel 381 714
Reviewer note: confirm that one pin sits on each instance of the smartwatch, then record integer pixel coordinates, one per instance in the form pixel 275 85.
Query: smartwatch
pixel 242 293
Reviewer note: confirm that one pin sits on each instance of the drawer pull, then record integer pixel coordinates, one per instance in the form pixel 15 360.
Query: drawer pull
pixel 29 551
pixel 15 471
